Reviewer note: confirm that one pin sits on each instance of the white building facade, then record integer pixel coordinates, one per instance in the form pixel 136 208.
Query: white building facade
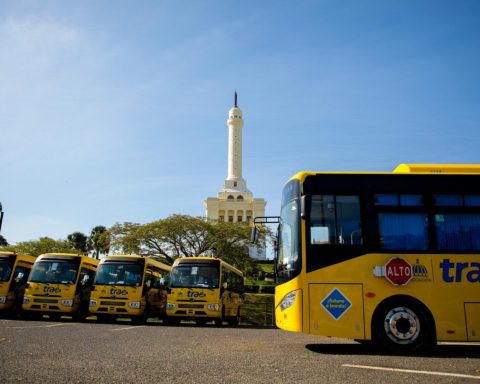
pixel 234 202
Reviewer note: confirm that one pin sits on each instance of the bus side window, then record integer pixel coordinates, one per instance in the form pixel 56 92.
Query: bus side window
pixel 335 220
pixel 458 231
pixel 403 231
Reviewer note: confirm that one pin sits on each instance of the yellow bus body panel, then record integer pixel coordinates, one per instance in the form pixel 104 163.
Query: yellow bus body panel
pixel 454 305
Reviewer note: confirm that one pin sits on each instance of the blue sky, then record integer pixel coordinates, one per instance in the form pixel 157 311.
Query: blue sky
pixel 114 111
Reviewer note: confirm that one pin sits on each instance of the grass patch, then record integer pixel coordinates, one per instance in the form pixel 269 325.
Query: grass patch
pixel 257 310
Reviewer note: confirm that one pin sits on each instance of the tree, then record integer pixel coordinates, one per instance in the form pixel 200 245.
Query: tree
pixel 78 241
pixel 182 235
pixel 41 246
pixel 99 241
pixel 3 241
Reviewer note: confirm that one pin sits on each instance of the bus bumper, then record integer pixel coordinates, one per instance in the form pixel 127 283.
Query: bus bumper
pixel 48 304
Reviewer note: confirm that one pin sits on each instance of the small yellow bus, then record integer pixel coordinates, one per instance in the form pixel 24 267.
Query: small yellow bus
pixel 205 289
pixel 129 286
pixel 59 284
pixel 14 271
pixel 390 257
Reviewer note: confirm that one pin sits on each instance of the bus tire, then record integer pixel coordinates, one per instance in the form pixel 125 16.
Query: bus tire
pixel 403 324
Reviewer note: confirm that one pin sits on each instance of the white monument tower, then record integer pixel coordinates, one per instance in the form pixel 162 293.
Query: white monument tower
pixel 235 203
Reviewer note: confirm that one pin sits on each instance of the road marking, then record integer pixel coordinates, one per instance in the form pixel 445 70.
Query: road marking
pixel 412 371
pixel 41 326
pixel 128 328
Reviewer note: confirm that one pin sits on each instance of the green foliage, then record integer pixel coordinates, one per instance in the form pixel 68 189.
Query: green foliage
pixel 78 241
pixel 182 235
pixel 258 309
pixel 99 241
pixel 40 246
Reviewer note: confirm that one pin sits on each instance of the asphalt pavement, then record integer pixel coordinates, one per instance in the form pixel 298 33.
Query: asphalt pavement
pixel 90 352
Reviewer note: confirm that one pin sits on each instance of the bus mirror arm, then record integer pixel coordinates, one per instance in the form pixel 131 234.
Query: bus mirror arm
pixel 303 208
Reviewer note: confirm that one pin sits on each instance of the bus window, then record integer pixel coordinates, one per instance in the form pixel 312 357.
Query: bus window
pixel 405 200
pixel 5 269
pixel 289 260
pixel 403 231
pixel 458 232
pixel 335 220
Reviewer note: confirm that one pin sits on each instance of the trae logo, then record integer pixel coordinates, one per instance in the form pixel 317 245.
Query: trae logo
pixel 195 295
pixel 118 292
pixel 51 290
pixel 455 272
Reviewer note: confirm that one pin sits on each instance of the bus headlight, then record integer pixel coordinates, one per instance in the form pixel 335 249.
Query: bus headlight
pixel 93 303
pixel 26 300
pixel 3 299
pixel 170 305
pixel 288 300
pixel 212 307
pixel 134 304
pixel 67 302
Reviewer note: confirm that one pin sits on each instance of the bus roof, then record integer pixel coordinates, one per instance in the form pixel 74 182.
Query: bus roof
pixel 150 259
pixel 406 168
pixel 437 168
pixel 67 256
pixel 193 258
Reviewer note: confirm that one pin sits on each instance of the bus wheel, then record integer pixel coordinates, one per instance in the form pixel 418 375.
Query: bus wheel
pixel 403 325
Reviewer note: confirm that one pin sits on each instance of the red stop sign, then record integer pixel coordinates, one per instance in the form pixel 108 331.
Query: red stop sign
pixel 398 271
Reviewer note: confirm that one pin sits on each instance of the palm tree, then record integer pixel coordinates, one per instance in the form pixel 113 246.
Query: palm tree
pixel 99 241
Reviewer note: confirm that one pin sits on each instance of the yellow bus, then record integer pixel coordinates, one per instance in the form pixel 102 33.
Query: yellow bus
pixel 392 258
pixel 59 284
pixel 14 271
pixel 205 289
pixel 129 286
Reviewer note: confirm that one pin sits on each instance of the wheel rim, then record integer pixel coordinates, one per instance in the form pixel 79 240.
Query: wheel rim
pixel 402 325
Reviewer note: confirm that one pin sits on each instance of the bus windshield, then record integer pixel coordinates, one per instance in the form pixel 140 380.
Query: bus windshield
pixel 6 265
pixel 288 259
pixel 54 271
pixel 128 273
pixel 195 276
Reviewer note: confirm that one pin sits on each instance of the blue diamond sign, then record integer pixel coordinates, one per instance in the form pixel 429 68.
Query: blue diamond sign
pixel 336 304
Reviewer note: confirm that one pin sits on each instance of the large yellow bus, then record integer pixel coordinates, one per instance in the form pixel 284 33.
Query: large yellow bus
pixel 205 289
pixel 392 258
pixel 14 271
pixel 129 286
pixel 59 284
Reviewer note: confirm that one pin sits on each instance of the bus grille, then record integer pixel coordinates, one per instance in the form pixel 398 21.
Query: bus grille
pixel 51 301
pixel 190 305
pixel 116 303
